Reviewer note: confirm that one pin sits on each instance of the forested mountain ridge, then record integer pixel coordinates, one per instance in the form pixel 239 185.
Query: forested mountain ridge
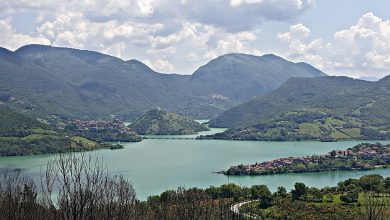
pixel 162 122
pixel 321 108
pixel 79 84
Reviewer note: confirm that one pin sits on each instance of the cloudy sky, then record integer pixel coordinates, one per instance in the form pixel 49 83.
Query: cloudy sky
pixel 341 37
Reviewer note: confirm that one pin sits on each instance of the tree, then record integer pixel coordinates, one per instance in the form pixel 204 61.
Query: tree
pixel 281 192
pixel 262 193
pixel 76 186
pixel 299 192
pixel 329 198
pixel 376 206
pixel 386 183
pixel 315 194
pixel 372 182
pixel 350 197
pixel 18 196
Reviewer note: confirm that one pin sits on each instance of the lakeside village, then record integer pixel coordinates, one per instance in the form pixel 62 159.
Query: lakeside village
pixel 115 125
pixel 360 157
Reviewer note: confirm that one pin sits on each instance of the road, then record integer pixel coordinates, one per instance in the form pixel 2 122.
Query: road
pixel 236 209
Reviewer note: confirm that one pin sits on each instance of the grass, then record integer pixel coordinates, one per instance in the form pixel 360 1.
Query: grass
pixel 352 132
pixel 339 135
pixel 310 129
pixel 42 131
pixel 334 122
pixel 86 142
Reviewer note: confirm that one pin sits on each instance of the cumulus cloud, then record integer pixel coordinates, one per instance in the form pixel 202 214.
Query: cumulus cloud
pixel 232 43
pixel 361 49
pixel 302 49
pixel 160 65
pixel 154 30
pixel 366 43
pixel 13 40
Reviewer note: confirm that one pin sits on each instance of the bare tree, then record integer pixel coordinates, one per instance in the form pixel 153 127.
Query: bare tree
pixel 77 186
pixel 376 206
pixel 18 196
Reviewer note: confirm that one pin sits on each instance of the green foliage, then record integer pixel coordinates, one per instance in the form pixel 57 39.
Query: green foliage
pixel 162 122
pixel 373 182
pixel 299 192
pixel 262 193
pixel 350 197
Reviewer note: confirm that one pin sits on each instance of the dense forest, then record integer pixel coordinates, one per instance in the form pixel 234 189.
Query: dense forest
pixel 76 186
pixel 162 122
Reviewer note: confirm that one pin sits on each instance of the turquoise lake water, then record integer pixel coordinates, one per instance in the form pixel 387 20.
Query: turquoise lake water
pixel 155 165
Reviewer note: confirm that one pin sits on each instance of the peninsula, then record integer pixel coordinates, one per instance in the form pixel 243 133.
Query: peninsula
pixel 360 157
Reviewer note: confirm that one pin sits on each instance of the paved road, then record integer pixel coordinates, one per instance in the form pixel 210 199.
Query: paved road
pixel 236 209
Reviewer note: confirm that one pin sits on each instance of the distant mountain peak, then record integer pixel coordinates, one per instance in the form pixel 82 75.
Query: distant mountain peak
pixel 272 57
pixel 33 47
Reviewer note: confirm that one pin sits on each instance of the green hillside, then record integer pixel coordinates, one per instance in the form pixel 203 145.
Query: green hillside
pixel 323 108
pixel 162 122
pixel 21 135
pixel 68 83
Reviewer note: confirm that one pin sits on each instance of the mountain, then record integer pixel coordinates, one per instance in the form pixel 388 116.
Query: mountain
pixel 78 84
pixel 242 77
pixel 162 122
pixel 326 108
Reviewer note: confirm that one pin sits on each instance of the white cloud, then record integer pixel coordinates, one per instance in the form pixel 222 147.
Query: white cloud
pixel 367 42
pixel 296 31
pixel 361 49
pixel 157 30
pixel 232 43
pixel 192 56
pixel 236 3
pixel 12 40
pixel 160 65
pixel 301 49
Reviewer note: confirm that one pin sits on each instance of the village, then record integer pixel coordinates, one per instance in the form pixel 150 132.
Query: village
pixel 361 157
pixel 115 125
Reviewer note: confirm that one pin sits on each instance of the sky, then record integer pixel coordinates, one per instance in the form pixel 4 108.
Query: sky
pixel 340 37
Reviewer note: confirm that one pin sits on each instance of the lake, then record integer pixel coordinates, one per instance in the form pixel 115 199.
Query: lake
pixel 155 165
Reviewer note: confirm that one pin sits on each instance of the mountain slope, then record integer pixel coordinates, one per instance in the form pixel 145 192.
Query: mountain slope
pixel 79 84
pixel 326 108
pixel 161 122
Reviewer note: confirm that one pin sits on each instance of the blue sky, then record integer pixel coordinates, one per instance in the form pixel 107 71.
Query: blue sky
pixel 341 37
